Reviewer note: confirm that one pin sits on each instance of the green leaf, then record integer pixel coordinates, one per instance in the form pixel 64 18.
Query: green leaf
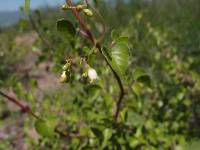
pixel 96 2
pixel 45 128
pixel 93 91
pixel 138 73
pixel 86 50
pixel 135 119
pixel 107 134
pixel 23 24
pixel 120 57
pixel 194 145
pixel 84 131
pixel 141 76
pixel 145 79
pixel 134 142
pixel 65 27
pixel 136 87
pixel 96 132
pixel 122 39
pixel 27 6
pixel 91 59
pixel 115 34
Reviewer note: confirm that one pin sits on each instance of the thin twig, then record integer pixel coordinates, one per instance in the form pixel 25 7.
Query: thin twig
pixel 101 19
pixel 24 108
pixel 71 135
pixel 117 77
pixel 27 109
pixel 82 22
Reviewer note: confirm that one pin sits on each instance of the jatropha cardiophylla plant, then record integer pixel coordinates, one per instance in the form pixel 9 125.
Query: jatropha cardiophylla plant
pixel 114 53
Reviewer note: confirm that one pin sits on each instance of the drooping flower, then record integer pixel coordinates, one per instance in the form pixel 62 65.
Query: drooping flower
pixel 92 74
pixel 65 77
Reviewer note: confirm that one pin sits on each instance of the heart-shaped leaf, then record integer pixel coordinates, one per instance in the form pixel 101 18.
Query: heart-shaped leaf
pixel 65 27
pixel 120 57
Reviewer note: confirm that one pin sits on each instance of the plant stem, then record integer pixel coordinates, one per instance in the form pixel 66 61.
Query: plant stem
pixel 101 19
pixel 98 46
pixel 82 22
pixel 119 81
pixel 24 108
pixel 27 109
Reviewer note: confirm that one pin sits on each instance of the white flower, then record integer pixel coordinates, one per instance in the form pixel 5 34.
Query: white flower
pixel 64 78
pixel 92 74
pixel 63 75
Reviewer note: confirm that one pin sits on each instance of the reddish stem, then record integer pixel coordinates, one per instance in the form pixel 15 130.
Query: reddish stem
pixel 24 108
pixel 82 22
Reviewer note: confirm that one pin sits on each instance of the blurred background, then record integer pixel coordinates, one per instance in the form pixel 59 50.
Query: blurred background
pixel 9 10
pixel 162 111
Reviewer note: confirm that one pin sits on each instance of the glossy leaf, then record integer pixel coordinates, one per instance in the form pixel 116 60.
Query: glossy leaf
pixel 120 57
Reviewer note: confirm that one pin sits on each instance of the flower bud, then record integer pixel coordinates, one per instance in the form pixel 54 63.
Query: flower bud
pixel 79 7
pixel 94 50
pixel 88 12
pixel 65 7
pixel 65 77
pixel 84 75
pixel 66 66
